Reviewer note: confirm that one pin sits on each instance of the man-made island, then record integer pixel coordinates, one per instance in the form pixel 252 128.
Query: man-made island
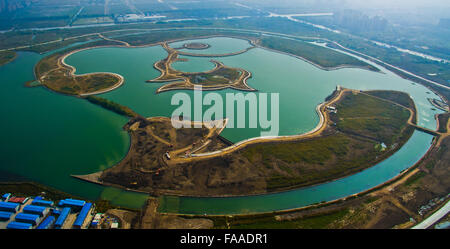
pixel 53 73
pixel 357 130
pixel 196 45
pixel 220 77
pixel 7 57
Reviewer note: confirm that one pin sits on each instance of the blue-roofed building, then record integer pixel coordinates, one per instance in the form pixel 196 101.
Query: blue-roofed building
pixel 47 223
pixel 6 196
pixel 27 218
pixel 74 204
pixel 38 198
pixel 9 206
pixel 62 217
pixel 18 225
pixel 82 216
pixel 40 202
pixel 5 216
pixel 32 209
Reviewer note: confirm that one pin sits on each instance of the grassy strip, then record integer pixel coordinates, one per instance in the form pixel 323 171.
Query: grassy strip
pixel 6 57
pixel 397 97
pixel 369 117
pixel 323 57
pixel 415 178
pixel 33 189
pixel 443 121
pixel 162 36
pixel 316 221
pixel 112 106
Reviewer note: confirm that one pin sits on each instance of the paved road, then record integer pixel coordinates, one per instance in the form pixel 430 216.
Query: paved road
pixel 434 217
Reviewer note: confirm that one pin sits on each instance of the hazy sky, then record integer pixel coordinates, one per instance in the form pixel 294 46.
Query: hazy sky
pixel 398 3
pixel 369 3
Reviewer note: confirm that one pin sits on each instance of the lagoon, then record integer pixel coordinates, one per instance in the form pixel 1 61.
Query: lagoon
pixel 47 136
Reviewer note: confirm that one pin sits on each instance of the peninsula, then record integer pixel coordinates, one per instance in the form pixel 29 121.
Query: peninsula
pixel 356 131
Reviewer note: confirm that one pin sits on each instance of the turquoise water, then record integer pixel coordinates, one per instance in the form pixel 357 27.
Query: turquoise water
pixel 301 86
pixel 193 65
pixel 48 136
pixel 219 45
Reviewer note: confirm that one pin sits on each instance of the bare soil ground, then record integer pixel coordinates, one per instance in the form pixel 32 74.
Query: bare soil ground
pixel 151 219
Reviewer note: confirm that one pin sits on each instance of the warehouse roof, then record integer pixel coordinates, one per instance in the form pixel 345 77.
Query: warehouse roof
pixel 24 216
pixel 21 200
pixel 40 202
pixel 47 223
pixel 83 214
pixel 34 209
pixel 8 204
pixel 18 225
pixel 62 217
pixel 5 215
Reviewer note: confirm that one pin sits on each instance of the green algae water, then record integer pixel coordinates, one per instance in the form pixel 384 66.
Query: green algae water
pixel 46 136
pixel 301 86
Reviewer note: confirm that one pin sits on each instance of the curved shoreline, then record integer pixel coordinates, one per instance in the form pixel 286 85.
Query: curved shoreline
pixel 316 131
pixel 323 115
pixel 251 42
pixel 403 175
pixel 388 182
pixel 94 177
pixel 147 30
pixel 179 77
pixel 73 70
pixel 196 46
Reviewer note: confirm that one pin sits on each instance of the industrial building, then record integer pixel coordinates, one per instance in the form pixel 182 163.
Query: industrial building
pixel 32 209
pixel 72 203
pixel 82 216
pixel 9 207
pixel 47 223
pixel 62 217
pixel 19 225
pixel 5 216
pixel 28 218
pixel 38 213
pixel 40 202
pixel 18 200
pixel 6 196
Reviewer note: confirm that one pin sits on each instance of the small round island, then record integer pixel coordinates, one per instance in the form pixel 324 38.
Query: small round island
pixel 196 45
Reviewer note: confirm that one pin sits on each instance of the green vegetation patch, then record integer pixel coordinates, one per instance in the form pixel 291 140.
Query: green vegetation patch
pixel 162 36
pixel 315 151
pixel 398 97
pixel 370 117
pixel 107 104
pixel 222 75
pixel 27 189
pixel 363 123
pixel 6 57
pixel 321 56
pixel 443 122
pixel 313 222
pixel 415 178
